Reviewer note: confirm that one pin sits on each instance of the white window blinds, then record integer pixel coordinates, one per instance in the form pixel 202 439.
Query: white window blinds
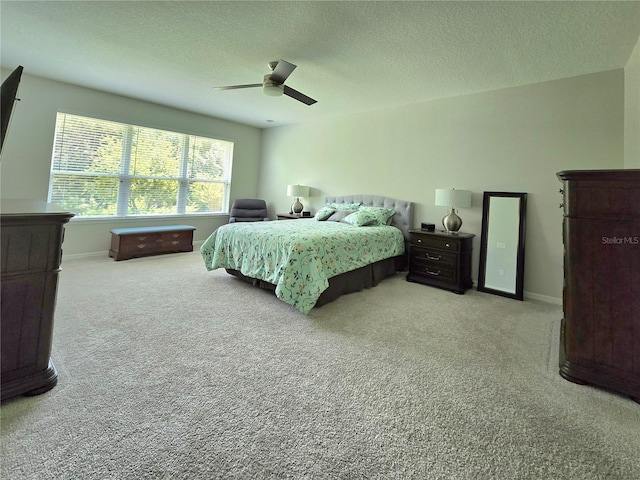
pixel 102 168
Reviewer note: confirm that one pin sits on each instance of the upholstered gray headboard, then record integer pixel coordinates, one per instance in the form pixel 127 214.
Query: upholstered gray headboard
pixel 403 219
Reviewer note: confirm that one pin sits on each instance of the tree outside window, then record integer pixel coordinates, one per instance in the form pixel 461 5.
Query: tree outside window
pixel 108 169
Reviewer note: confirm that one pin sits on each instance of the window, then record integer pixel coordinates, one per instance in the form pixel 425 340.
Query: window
pixel 107 169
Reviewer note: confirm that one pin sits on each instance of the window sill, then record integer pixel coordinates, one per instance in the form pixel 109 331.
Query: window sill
pixel 147 218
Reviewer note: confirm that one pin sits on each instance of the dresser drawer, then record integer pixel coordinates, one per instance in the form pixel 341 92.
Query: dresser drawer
pixel 428 271
pixel 176 240
pixel 434 242
pixel 138 243
pixel 436 258
pixel 170 236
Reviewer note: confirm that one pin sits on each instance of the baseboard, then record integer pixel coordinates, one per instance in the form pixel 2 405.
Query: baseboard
pixel 72 256
pixel 542 298
pixel 105 253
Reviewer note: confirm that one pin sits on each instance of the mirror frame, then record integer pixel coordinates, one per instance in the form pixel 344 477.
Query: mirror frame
pixel 519 290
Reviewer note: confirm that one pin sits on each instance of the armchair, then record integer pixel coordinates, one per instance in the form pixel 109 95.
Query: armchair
pixel 248 210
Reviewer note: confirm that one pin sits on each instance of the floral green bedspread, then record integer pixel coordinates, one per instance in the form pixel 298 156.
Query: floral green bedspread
pixel 299 256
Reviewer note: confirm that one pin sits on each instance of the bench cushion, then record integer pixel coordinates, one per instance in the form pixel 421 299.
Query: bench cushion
pixel 161 228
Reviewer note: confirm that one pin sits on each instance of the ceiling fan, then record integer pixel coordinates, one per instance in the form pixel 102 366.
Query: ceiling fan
pixel 273 83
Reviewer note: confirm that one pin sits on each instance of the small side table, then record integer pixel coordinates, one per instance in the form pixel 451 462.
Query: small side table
pixel 441 260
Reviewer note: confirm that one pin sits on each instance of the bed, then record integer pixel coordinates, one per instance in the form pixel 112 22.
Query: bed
pixel 310 262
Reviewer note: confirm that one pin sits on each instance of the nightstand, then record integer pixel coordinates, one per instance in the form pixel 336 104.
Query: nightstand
pixel 288 216
pixel 441 260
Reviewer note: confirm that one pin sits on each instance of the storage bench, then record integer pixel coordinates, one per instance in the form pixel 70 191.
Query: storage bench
pixel 135 242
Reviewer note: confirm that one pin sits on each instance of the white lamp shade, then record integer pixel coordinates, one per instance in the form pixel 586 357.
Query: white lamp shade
pixel 453 198
pixel 297 191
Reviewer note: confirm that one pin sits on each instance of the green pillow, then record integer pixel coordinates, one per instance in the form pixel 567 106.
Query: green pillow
pixel 324 213
pixel 344 206
pixel 361 218
pixel 382 215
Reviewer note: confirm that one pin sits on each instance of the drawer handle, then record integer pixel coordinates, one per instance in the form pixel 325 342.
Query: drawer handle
pixel 447 245
pixel 429 257
pixel 159 240
pixel 175 242
pixel 141 238
pixel 141 245
pixel 419 240
pixel 435 274
pixel 176 235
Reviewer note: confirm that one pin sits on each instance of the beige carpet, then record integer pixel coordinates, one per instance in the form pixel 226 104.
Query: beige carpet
pixel 169 371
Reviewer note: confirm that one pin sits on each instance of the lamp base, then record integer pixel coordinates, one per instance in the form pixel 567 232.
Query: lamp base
pixel 297 207
pixel 452 222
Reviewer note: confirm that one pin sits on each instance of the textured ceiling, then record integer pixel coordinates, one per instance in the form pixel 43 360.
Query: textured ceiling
pixel 351 56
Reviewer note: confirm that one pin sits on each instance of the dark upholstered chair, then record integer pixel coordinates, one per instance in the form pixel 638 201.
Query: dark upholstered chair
pixel 248 210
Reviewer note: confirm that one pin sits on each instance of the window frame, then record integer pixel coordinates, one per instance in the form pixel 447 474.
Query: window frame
pixel 124 178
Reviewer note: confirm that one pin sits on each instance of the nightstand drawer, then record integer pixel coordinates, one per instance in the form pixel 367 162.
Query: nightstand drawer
pixel 437 258
pixel 434 242
pixel 433 273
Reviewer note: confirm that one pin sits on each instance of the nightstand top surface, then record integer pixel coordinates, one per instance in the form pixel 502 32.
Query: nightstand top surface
pixel 289 215
pixel 442 233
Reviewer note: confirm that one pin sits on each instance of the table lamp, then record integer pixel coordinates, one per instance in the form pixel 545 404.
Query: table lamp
pixel 454 199
pixel 297 191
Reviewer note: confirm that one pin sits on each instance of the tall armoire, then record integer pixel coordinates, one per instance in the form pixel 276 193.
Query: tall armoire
pixel 600 335
pixel 31 232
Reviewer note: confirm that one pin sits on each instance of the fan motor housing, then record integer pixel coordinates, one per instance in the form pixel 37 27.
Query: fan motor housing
pixel 271 88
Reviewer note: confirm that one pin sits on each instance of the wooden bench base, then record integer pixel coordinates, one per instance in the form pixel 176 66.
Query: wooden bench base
pixel 136 242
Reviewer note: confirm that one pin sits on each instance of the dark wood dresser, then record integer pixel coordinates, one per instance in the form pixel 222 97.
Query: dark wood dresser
pixel 441 260
pixel 32 234
pixel 600 334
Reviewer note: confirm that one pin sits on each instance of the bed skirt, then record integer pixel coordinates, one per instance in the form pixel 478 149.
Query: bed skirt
pixel 365 277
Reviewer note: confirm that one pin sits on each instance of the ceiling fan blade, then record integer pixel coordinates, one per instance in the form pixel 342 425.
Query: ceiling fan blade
pixel 301 97
pixel 282 71
pixel 234 87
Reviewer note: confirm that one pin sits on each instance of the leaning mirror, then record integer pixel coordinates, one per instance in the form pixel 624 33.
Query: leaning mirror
pixel 501 269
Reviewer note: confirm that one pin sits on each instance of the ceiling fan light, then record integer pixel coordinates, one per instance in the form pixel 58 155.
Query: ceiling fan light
pixel 273 90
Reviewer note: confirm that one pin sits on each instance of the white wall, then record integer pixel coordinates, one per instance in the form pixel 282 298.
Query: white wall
pixel 513 140
pixel 26 155
pixel 632 110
